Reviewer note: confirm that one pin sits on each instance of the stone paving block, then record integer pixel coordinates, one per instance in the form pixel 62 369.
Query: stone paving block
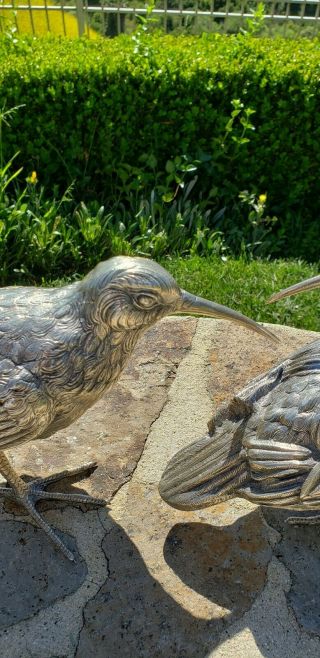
pixel 33 575
pixel 176 579
pixel 150 581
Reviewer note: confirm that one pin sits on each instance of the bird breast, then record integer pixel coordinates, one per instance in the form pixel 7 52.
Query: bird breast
pixel 76 376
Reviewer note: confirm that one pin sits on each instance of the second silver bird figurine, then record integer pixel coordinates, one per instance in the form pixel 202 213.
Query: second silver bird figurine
pixel 264 445
pixel 61 349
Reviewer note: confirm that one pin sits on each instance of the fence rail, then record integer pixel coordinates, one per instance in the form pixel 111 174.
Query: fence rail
pixel 36 16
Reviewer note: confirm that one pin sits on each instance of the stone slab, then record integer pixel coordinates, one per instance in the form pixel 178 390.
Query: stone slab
pixel 150 580
pixel 176 580
pixel 33 577
pixel 299 551
pixel 204 569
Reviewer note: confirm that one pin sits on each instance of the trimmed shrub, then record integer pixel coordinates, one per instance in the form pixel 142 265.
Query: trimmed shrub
pixel 110 114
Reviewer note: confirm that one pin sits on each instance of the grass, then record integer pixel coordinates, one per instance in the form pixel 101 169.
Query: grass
pixel 245 286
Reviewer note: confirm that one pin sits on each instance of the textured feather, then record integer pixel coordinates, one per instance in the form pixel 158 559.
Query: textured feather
pixel 25 412
pixel 263 445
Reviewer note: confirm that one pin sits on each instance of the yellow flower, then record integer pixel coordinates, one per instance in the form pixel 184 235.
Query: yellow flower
pixel 262 198
pixel 33 179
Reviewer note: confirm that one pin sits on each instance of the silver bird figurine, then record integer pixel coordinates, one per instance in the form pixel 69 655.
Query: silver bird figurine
pixel 263 446
pixel 62 348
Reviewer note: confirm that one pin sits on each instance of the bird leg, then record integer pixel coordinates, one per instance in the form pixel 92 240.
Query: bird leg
pixel 27 494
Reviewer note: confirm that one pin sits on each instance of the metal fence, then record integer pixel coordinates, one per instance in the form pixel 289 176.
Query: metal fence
pixel 78 17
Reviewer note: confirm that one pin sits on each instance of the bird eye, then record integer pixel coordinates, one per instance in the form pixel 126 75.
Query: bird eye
pixel 145 301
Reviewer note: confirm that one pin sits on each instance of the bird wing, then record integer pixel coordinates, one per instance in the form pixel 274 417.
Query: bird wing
pixel 25 410
pixel 262 445
pixel 214 466
pixel 282 435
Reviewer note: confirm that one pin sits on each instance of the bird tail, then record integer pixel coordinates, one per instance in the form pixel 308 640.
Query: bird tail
pixel 211 469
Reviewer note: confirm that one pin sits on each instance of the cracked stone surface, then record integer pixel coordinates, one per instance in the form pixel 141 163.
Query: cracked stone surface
pixel 299 551
pixel 33 577
pixel 149 580
pixel 175 581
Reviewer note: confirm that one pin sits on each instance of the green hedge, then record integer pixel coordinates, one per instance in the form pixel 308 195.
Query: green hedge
pixel 109 114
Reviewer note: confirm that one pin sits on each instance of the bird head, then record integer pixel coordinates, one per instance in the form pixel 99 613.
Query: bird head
pixel 127 293
pixel 303 286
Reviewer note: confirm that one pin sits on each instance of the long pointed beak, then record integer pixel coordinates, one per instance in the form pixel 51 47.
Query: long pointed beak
pixel 198 305
pixel 303 286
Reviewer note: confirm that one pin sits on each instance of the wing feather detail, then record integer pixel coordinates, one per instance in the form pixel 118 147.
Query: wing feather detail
pixel 25 410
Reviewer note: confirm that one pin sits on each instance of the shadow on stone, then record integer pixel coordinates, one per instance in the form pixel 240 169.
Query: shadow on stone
pixel 132 614
pixel 226 565
pixel 299 551
pixel 33 573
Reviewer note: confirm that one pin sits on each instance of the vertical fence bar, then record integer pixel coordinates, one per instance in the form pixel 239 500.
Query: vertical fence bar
pixel 196 14
pixel 31 17
pixel 15 18
pixel 272 12
pixel 212 9
pixel 3 18
pixel 180 15
pixel 80 17
pixel 316 19
pixel 103 18
pixel 286 18
pixel 227 8
pixel 86 17
pixel 63 18
pixel 134 18
pixel 165 20
pixel 242 11
pixel 118 19
pixel 47 15
pixel 303 10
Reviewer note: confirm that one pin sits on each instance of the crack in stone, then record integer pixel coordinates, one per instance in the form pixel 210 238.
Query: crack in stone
pixel 130 476
pixel 173 369
pixel 106 533
pixel 80 630
pixel 122 484
pixel 286 567
pixel 41 605
pixel 297 595
pixel 302 631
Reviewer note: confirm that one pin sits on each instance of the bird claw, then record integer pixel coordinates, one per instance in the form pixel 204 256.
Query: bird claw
pixel 68 473
pixel 29 493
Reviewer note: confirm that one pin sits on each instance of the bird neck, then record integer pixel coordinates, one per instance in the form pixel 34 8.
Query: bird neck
pixel 106 350
pixel 108 356
pixel 121 346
